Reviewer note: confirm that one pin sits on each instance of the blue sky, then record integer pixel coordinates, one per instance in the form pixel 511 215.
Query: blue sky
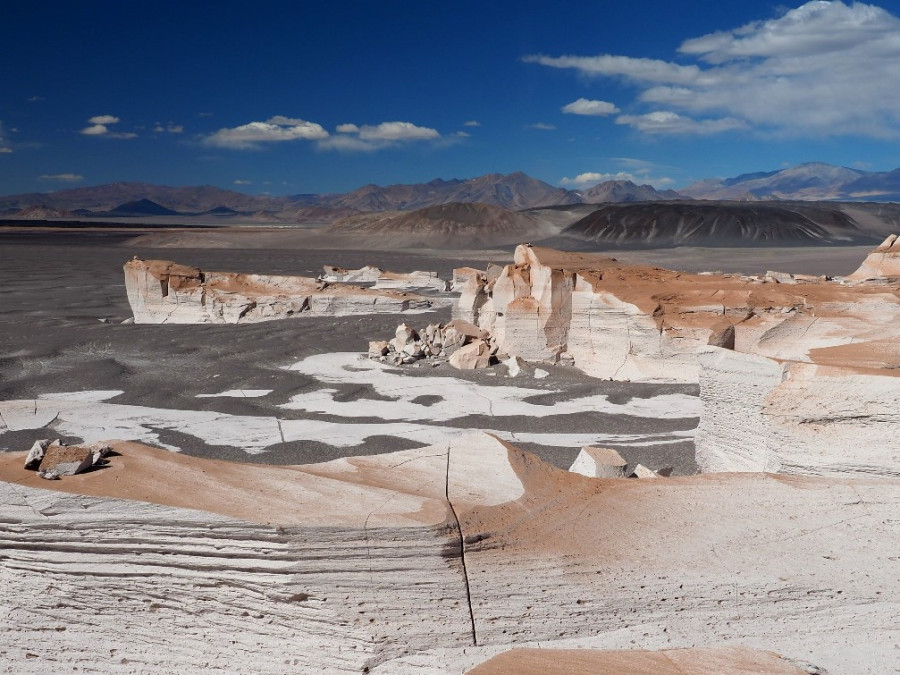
pixel 320 97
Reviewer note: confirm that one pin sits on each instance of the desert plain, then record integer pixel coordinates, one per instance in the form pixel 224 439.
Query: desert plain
pixel 275 499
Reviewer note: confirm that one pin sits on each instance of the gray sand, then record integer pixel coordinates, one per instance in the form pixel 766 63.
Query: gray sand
pixel 63 301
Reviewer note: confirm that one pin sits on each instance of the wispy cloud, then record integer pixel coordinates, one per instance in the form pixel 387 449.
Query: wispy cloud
pixel 239 181
pixel 278 129
pixel 541 126
pixel 169 128
pixel 99 126
pixel 4 143
pixel 367 138
pixel 585 106
pixel 62 177
pixel 472 123
pixel 822 69
pixel 668 122
pixel 34 99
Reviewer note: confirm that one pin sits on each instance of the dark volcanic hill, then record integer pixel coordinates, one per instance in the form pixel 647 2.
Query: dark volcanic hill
pixel 454 225
pixel 660 224
pixel 141 207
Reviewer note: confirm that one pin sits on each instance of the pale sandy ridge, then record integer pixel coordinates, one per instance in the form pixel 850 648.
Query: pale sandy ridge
pixel 471 543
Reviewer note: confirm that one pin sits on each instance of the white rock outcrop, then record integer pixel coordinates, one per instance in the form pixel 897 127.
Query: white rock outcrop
pixel 165 292
pixel 760 414
pixel 444 555
pixel 629 322
pixel 883 262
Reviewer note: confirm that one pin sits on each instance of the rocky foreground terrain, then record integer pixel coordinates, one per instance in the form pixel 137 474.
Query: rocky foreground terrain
pixel 469 553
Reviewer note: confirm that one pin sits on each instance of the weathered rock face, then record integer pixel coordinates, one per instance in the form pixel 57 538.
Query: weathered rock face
pixel 382 279
pixel 884 261
pixel 639 323
pixel 785 417
pixel 450 554
pixel 164 292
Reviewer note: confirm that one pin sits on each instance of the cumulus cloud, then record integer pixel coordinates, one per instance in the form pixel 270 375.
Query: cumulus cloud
pixel 104 119
pixel 99 126
pixel 822 69
pixel 276 129
pixel 585 106
pixel 367 138
pixel 63 177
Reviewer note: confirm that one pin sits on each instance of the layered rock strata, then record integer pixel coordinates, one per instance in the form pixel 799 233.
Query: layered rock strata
pixel 415 560
pixel 165 292
pixel 760 414
pixel 639 323
pixel 884 261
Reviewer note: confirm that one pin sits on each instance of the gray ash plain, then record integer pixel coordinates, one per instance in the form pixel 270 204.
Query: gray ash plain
pixel 61 311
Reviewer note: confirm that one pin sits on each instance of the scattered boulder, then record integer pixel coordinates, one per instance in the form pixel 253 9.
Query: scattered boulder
pixel 514 364
pixel 540 374
pixel 476 354
pixel 65 460
pixel 54 460
pixel 599 463
pixel 436 342
pixel 641 471
pixel 36 454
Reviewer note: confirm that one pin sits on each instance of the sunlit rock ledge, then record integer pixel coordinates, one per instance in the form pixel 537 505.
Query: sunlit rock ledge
pixel 436 560
pixel 639 323
pixel 164 292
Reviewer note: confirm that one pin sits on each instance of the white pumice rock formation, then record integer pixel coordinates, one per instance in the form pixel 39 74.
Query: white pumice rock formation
pixel 629 322
pixel 367 274
pixel 439 559
pixel 463 345
pixel 165 292
pixel 883 262
pixel 760 414
pixel 412 281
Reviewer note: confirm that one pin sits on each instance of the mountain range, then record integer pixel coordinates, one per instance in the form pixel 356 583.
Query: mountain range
pixel 813 181
pixel 516 191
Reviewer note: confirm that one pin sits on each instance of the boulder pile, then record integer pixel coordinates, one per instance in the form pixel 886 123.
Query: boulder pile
pixel 53 460
pixel 461 344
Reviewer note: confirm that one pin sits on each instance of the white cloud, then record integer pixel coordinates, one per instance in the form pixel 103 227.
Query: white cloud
pixel 99 126
pixel 104 119
pixel 541 126
pixel 397 131
pixel 472 123
pixel 584 106
pixel 590 178
pixel 462 134
pixel 368 138
pixel 4 150
pixel 825 68
pixel 168 128
pixel 276 129
pixel 63 177
pixel 238 181
pixel 667 122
